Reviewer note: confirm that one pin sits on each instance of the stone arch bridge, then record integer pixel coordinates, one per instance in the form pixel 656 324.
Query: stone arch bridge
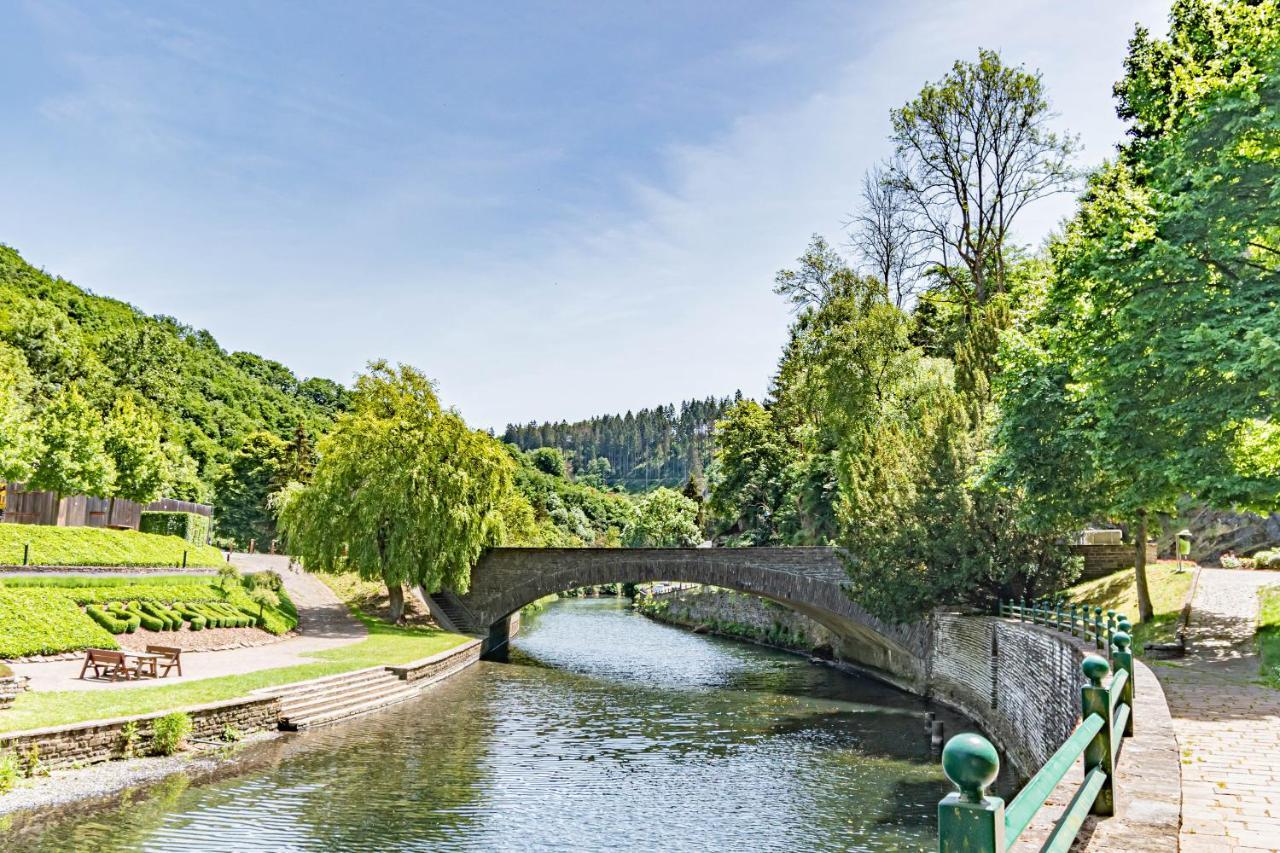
pixel 808 580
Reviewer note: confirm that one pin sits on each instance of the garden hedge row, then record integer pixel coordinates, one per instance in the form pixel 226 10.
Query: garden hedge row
pixel 189 526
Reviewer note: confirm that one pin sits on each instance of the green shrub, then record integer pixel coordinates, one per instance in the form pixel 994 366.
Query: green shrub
pixel 129 740
pixel 146 620
pixel 118 610
pixel 190 526
pixel 10 772
pixel 172 621
pixel 169 732
pixel 1266 560
pixel 263 580
pixel 108 620
pixel 231 734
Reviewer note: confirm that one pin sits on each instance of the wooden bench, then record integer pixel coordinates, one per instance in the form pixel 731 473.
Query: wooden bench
pixel 105 663
pixel 170 658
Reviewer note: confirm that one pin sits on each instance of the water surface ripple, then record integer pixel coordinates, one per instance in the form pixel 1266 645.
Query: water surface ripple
pixel 606 732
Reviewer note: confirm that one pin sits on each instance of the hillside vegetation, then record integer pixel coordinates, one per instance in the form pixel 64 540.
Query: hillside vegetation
pixel 212 406
pixel 95 546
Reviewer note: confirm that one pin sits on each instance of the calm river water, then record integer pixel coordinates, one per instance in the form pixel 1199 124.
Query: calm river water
pixel 606 732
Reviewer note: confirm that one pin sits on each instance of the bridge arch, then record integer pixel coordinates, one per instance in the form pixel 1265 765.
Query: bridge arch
pixel 808 580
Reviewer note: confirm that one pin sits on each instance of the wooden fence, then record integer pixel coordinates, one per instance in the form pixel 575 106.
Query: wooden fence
pixel 35 507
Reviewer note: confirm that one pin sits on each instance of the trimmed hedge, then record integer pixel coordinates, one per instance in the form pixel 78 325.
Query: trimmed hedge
pixel 192 527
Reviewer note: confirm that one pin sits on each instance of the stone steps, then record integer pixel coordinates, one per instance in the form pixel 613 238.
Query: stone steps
pixel 338 697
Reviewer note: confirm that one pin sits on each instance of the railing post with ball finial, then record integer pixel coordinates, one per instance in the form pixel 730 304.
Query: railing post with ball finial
pixel 968 819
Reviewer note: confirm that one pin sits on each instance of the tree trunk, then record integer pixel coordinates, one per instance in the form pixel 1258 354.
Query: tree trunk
pixel 396 592
pixel 1140 566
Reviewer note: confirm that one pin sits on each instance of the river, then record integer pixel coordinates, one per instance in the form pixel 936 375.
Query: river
pixel 605 731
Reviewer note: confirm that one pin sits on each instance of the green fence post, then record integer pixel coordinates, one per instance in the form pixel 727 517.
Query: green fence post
pixel 1122 657
pixel 1097 627
pixel 1022 611
pixel 26 554
pixel 1096 699
pixel 968 819
pixel 1111 629
pixel 1075 615
pixel 1057 614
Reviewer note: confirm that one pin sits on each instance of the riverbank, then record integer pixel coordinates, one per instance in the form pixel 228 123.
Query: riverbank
pixel 739 616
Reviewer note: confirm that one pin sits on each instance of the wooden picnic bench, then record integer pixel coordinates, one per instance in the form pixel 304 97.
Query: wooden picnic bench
pixel 170 657
pixel 104 663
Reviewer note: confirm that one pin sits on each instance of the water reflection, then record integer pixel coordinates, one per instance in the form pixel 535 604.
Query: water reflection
pixel 607 731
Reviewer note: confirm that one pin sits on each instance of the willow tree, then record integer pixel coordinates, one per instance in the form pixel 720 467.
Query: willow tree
pixel 404 492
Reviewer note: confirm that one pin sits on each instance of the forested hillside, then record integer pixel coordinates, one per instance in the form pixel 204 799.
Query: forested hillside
pixel 661 446
pixel 229 424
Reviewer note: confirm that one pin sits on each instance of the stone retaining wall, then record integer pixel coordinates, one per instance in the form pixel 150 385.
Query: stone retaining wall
pixel 743 616
pixel 1103 560
pixel 440 665
pixel 102 740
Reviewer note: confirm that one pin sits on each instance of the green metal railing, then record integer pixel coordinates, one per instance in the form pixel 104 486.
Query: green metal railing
pixel 970 820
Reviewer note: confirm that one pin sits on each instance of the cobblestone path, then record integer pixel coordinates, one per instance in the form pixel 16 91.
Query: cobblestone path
pixel 1227 725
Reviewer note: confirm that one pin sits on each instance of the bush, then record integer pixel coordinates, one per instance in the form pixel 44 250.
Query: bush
pixel 118 610
pixel 108 620
pixel 5 672
pixel 1266 560
pixel 10 772
pixel 147 620
pixel 192 527
pixel 263 580
pixel 169 732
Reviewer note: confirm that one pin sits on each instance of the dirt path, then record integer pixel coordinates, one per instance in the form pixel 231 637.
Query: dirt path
pixel 323 623
pixel 1228 726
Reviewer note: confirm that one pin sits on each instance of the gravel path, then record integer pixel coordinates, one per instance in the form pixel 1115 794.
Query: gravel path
pixel 323 623
pixel 1228 726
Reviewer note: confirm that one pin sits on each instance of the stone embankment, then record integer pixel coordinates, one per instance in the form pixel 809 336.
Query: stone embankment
pixel 741 616
pixel 1020 683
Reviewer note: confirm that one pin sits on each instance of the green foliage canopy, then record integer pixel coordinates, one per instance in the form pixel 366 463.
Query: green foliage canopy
pixel 664 519
pixel 404 491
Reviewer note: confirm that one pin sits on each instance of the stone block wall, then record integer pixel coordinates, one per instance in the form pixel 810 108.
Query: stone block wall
pixel 1102 560
pixel 1021 682
pixel 440 665
pixel 747 616
pixel 9 690
pixel 102 740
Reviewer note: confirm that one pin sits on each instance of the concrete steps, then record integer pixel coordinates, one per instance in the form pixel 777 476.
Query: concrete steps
pixel 339 697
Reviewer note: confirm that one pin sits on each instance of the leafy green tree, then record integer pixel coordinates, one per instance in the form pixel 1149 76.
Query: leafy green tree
pixel 72 458
pixel 548 460
pixel 664 519
pixel 243 490
pixel 17 434
pixel 973 150
pixel 133 443
pixel 749 488
pixel 1149 369
pixel 404 491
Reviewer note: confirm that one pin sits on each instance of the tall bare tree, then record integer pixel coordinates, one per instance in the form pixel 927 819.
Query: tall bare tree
pixel 886 235
pixel 973 150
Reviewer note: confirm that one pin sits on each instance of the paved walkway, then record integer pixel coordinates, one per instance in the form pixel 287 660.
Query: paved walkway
pixel 323 623
pixel 1228 727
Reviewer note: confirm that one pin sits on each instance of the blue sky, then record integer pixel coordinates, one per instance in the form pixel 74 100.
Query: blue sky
pixel 554 209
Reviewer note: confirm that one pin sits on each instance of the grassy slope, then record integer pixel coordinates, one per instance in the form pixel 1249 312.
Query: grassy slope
pixel 1118 592
pixel 1269 636
pixel 386 644
pixel 41 614
pixel 94 546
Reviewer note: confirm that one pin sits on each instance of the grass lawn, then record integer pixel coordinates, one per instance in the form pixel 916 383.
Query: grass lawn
pixel 1269 636
pixel 386 644
pixel 1119 593
pixel 96 546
